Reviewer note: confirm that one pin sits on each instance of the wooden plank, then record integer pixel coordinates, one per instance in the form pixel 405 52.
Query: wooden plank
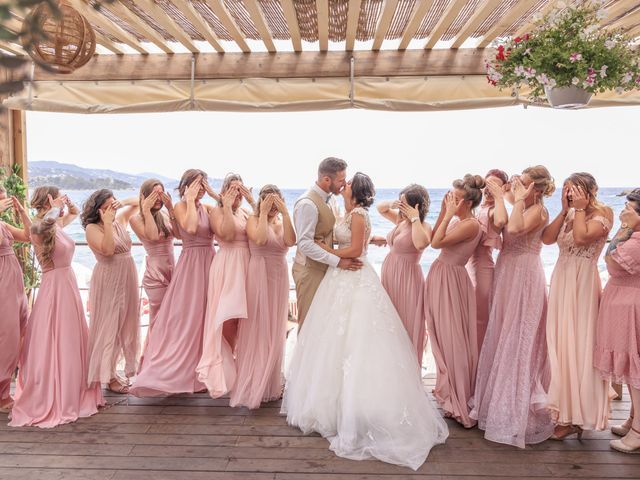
pixel 292 22
pixel 140 25
pixel 627 22
pixel 511 16
pixel 47 448
pixel 383 23
pixel 353 14
pixel 12 48
pixel 19 147
pixel 55 474
pixel 527 27
pixel 322 6
pixel 617 9
pixel 166 22
pixel 195 18
pixel 218 7
pixel 164 475
pixel 108 44
pixel 479 16
pixel 415 22
pixel 255 12
pixel 635 32
pixel 445 21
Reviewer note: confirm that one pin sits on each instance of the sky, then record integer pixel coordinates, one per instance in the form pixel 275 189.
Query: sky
pixel 394 148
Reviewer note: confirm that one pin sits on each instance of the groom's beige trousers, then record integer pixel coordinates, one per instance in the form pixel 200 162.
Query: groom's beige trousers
pixel 307 279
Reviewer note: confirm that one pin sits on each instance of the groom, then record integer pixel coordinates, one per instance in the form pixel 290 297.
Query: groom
pixel 314 220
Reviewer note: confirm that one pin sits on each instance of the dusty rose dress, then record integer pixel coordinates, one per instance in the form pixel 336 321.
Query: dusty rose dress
pixel 226 303
pixel 513 371
pixel 52 382
pixel 13 305
pixel 262 335
pixel 450 310
pixel 403 280
pixel 114 306
pixel 481 268
pixel 175 342
pixel 577 395
pixel 617 349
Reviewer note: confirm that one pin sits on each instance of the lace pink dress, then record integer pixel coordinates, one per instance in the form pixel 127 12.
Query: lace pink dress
pixel 577 395
pixel 510 401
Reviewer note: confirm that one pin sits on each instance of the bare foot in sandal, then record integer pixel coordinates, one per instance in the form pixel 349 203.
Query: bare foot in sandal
pixel 116 387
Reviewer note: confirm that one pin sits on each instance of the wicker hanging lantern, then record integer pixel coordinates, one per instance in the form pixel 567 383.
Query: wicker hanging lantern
pixel 63 41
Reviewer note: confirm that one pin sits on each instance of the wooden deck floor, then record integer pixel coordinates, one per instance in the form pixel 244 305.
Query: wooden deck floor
pixel 193 437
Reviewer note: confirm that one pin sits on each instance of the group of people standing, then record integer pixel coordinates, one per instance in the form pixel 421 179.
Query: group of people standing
pixel 522 364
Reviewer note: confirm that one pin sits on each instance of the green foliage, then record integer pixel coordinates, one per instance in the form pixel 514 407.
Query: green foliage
pixel 567 47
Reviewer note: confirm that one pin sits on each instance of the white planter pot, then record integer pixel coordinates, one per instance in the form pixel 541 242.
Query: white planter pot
pixel 567 97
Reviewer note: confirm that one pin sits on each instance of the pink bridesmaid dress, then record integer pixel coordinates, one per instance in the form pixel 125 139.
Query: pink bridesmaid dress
pixel 114 306
pixel 52 382
pixel 481 268
pixel 13 305
pixel 262 335
pixel 175 342
pixel 450 309
pixel 403 280
pixel 510 401
pixel 226 304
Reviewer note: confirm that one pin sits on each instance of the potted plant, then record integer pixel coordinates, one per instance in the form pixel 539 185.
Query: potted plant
pixel 568 57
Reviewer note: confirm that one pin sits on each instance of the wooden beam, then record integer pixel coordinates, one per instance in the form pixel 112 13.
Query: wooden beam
pixel 506 21
pixel 218 7
pixel 140 25
pixel 353 15
pixel 634 32
pixel 527 27
pixel 627 22
pixel 200 24
pixel 322 6
pixel 255 12
pixel 108 44
pixel 414 23
pixel 384 22
pixel 165 21
pixel 18 120
pixel 479 16
pixel 12 48
pixel 617 9
pixel 308 64
pixel 292 22
pixel 445 21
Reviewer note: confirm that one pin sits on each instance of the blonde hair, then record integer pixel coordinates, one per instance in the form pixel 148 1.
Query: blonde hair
pixel 542 179
pixel 40 201
pixel 264 191
pixel 472 186
pixel 145 190
pixel 586 182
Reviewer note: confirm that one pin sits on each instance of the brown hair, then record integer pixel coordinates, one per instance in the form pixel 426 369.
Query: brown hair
pixel 363 191
pixel 226 183
pixel 542 179
pixel 90 210
pixel 187 179
pixel 330 167
pixel 588 184
pixel 145 190
pixel 417 195
pixel 496 172
pixel 472 186
pixel 264 191
pixel 40 201
pixel 634 196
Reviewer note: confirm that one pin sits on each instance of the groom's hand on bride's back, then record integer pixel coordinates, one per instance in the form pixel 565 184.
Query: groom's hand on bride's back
pixel 350 264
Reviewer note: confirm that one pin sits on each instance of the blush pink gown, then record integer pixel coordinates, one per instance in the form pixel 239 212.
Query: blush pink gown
pixel 262 335
pixel 403 280
pixel 52 383
pixel 226 304
pixel 450 310
pixel 13 305
pixel 481 268
pixel 175 342
pixel 510 401
pixel 114 306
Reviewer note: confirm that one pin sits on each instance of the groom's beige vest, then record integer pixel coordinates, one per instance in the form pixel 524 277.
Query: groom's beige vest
pixel 308 273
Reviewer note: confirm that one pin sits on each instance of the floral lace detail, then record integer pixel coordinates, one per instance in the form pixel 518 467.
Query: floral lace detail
pixel 343 229
pixel 567 244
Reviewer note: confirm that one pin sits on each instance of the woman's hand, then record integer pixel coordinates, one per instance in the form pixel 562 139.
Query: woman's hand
pixel 57 203
pixel 324 246
pixel 108 215
pixel 246 193
pixel 520 193
pixel 166 201
pixel 5 204
pixel 210 191
pixel 191 193
pixel 565 199
pixel 408 211
pixel 495 190
pixel 17 206
pixel 266 204
pixel 280 205
pixel 579 199
pixel 229 196
pixel 451 206
pixel 149 202
pixel 378 241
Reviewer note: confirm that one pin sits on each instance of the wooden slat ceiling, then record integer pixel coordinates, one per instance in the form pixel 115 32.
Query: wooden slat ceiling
pixel 312 25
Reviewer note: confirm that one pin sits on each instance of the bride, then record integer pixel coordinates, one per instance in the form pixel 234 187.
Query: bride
pixel 354 377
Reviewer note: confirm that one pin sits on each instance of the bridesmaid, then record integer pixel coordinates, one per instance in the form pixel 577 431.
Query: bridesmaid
pixel 156 230
pixel 401 274
pixel 617 349
pixel 175 342
pixel 227 292
pixel 578 396
pixel 52 384
pixel 13 301
pixel 114 323
pixel 449 299
pixel 262 335
pixel 513 370
pixel 492 216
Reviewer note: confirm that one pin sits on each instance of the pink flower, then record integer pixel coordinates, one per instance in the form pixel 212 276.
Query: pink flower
pixel 603 71
pixel 575 57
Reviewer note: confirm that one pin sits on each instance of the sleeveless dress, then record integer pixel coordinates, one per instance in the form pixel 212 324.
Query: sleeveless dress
pixel 13 305
pixel 513 370
pixel 403 280
pixel 450 310
pixel 175 342
pixel 481 269
pixel 354 376
pixel 52 383
pixel 262 335
pixel 226 303
pixel 114 306
pixel 577 395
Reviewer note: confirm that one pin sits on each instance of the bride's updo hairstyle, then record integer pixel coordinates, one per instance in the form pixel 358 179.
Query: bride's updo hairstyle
pixel 362 190
pixel 472 186
pixel 542 179
pixel 416 194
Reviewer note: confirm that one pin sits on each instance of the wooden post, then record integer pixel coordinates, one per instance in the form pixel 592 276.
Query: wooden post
pixel 19 141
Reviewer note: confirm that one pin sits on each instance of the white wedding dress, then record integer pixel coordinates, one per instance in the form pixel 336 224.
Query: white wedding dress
pixel 354 376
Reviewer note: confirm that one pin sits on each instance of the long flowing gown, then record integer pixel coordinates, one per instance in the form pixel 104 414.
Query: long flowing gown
pixel 175 342
pixel 114 306
pixel 450 310
pixel 510 401
pixel 226 304
pixel 481 269
pixel 354 376
pixel 262 335
pixel 13 305
pixel 403 280
pixel 52 382
pixel 577 395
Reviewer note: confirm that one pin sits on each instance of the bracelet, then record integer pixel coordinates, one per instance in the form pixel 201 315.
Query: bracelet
pixel 579 209
pixel 414 219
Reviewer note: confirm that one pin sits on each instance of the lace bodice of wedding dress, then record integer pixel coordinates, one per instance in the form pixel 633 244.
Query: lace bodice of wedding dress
pixel 342 231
